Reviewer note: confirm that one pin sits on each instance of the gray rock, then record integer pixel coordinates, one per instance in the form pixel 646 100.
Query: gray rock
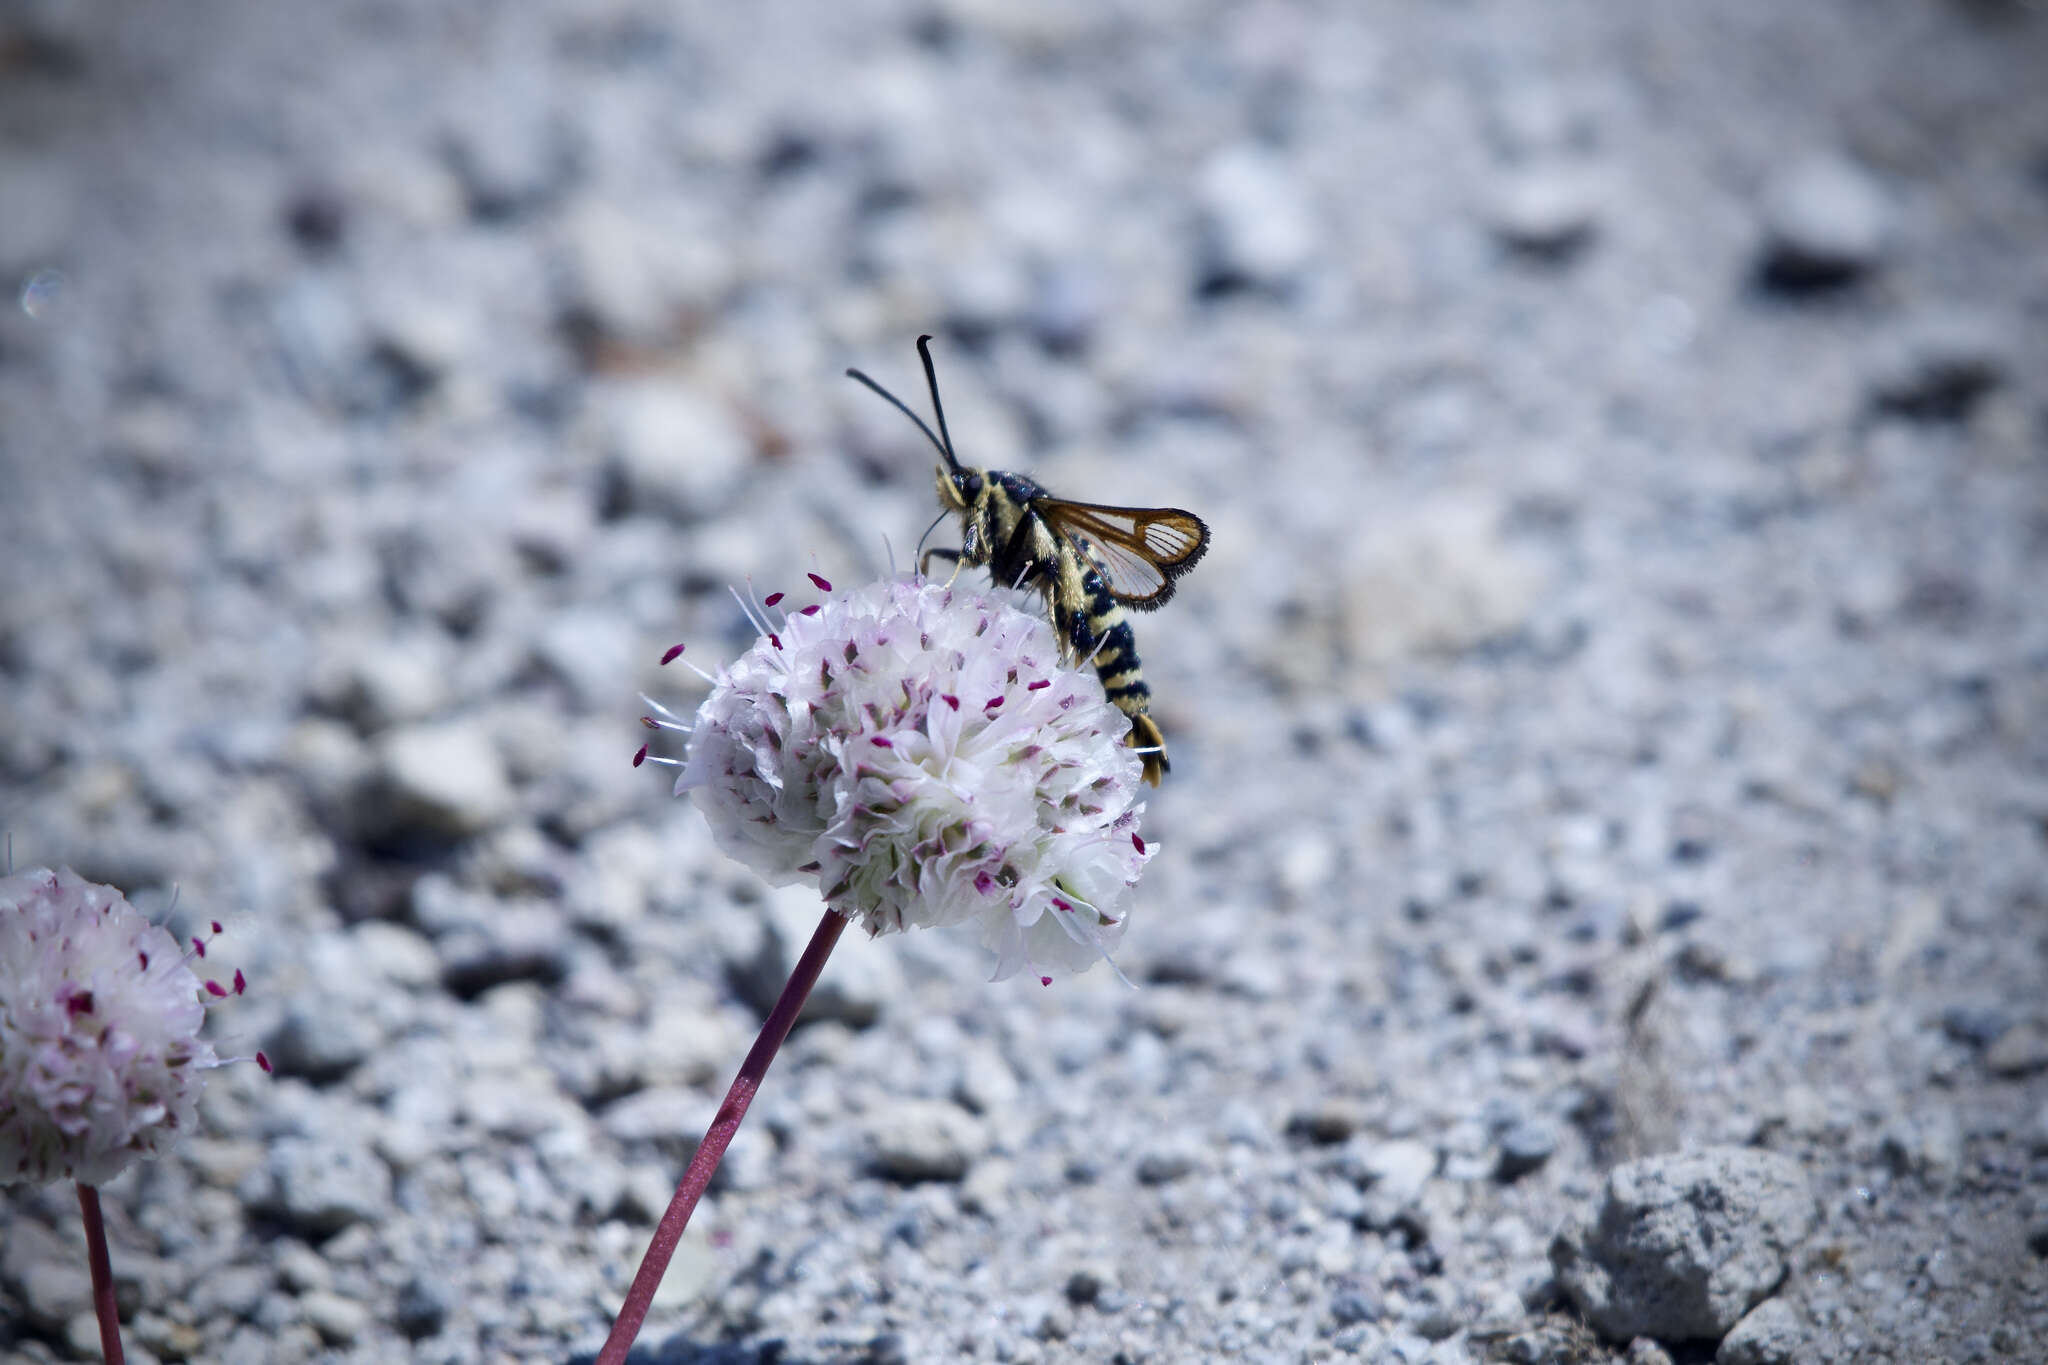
pixel 422 1307
pixel 339 1320
pixel 1682 1246
pixel 1525 1147
pixel 2020 1051
pixel 321 1185
pixel 671 452
pixel 46 1275
pixel 320 1042
pixel 1936 368
pixel 1258 229
pixel 442 781
pixel 923 1140
pixel 1977 1025
pixel 1393 1174
pixel 381 681
pixel 1769 1334
pixel 1168 1160
pixel 1826 221
pixel 1546 211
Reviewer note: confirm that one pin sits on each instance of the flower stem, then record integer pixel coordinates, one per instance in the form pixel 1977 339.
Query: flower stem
pixel 102 1274
pixel 698 1175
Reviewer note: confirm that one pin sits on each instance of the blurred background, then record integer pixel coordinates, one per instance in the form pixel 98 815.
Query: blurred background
pixel 1612 717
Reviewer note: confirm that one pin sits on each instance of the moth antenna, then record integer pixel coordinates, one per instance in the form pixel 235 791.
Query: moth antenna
pixel 931 380
pixel 900 406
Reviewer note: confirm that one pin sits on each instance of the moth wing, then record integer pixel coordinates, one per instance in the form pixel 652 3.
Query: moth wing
pixel 1139 551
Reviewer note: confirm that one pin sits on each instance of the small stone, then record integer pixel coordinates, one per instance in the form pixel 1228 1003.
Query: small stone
pixel 380 682
pixel 338 1320
pixel 443 781
pixel 321 1042
pixel 1086 1282
pixel 1500 1314
pixel 1644 1351
pixel 321 1185
pixel 1546 212
pixel 2020 1051
pixel 422 1307
pixel 300 1268
pixel 913 1140
pixel 1683 1245
pixel 1258 230
pixel 1167 1161
pixel 1328 1122
pixel 1769 1334
pixel 1525 1147
pixel 1928 1145
pixel 1977 1025
pixel 1937 368
pixel 1354 1306
pixel 53 1293
pixel 672 453
pixel 1826 222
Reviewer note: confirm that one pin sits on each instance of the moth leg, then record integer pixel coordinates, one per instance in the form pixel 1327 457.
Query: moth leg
pixel 924 563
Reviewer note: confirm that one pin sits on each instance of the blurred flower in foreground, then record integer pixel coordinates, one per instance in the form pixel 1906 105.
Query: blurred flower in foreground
pixel 925 753
pixel 100 1012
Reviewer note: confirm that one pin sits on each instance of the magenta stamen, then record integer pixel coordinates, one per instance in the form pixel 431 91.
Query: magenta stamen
pixel 1042 682
pixel 674 653
pixel 241 982
pixel 823 586
pixel 1059 904
pixel 79 1003
pixel 640 755
pixel 1137 843
pixel 879 742
pixel 950 700
pixel 199 947
pixel 771 599
pixel 774 639
pixel 263 1060
pixel 650 722
pixel 216 990
pixel 993 703
pixel 811 610
pixel 1045 981
pixel 145 959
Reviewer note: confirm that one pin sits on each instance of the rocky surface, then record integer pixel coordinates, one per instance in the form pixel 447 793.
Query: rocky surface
pixel 1612 722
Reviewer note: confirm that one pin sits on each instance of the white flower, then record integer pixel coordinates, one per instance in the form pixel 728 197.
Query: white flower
pixel 100 1054
pixel 926 754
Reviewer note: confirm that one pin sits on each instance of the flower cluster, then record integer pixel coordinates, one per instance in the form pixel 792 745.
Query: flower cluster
pixel 928 756
pixel 100 1011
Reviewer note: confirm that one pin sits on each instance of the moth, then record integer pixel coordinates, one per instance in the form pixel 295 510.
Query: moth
pixel 1088 561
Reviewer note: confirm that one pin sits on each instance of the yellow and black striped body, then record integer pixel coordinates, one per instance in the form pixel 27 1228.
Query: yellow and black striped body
pixel 1001 530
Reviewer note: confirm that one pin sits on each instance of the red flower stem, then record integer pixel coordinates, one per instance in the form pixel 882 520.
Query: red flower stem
pixel 698 1175
pixel 102 1275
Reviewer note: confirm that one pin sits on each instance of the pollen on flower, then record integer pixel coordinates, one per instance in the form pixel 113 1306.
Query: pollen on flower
pixel 1009 817
pixel 101 1060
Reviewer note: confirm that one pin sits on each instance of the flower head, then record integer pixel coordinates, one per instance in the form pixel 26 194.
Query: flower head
pixel 100 1011
pixel 925 753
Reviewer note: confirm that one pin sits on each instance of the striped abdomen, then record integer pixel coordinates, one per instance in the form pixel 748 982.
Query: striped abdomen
pixel 1097 629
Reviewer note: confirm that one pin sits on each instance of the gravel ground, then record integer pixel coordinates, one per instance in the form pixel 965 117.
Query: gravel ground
pixel 1602 883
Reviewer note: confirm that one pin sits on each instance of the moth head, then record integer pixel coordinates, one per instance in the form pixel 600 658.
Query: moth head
pixel 959 487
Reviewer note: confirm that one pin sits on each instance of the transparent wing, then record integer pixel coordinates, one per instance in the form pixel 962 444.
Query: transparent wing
pixel 1139 551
